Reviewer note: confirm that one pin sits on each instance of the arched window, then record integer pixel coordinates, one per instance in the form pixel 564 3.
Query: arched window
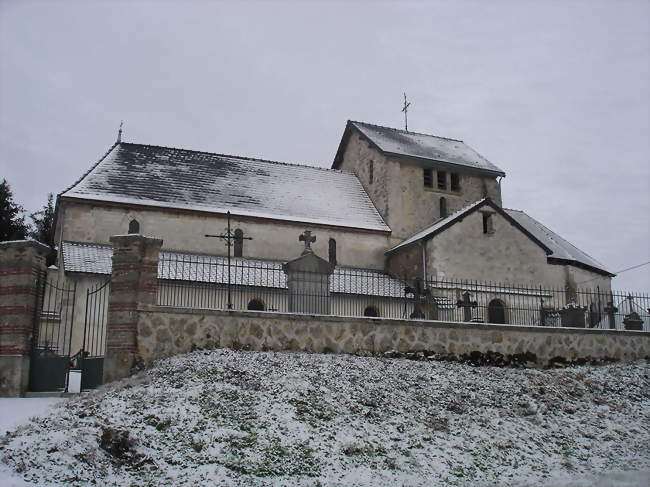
pixel 443 207
pixel 332 251
pixel 371 172
pixel 256 305
pixel 134 226
pixel 371 311
pixel 496 311
pixel 239 243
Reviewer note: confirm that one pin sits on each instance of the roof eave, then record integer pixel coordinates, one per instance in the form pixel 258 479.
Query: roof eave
pixel 581 265
pixel 464 167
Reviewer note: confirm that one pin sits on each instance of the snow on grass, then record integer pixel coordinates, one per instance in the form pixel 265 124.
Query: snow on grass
pixel 262 418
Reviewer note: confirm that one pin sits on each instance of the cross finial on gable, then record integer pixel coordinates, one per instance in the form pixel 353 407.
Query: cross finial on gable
pixel 308 239
pixel 405 109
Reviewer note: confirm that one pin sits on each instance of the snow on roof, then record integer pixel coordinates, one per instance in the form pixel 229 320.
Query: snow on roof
pixel 97 259
pixel 561 248
pixel 200 181
pixel 436 226
pixel 424 146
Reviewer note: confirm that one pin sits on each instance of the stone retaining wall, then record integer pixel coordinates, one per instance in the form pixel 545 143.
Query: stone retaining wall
pixel 163 331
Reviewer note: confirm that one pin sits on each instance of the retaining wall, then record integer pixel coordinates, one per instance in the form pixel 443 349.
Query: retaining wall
pixel 166 331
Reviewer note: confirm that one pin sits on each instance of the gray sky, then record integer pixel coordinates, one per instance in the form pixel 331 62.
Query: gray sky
pixel 555 93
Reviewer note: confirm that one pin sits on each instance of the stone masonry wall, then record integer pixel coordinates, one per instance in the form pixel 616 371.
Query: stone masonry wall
pixel 163 332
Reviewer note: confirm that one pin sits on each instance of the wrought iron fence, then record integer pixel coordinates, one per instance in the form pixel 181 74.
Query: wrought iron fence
pixel 208 282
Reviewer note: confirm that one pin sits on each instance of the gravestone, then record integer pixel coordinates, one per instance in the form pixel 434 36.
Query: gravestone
pixel 633 321
pixel 573 315
pixel 308 280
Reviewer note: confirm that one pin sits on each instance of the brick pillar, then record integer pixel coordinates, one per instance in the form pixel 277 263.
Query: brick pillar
pixel 22 270
pixel 134 282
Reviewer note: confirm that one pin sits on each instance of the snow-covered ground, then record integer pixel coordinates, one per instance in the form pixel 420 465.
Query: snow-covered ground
pixel 13 413
pixel 263 418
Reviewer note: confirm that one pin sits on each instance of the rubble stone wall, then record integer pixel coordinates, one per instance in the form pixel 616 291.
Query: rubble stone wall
pixel 163 332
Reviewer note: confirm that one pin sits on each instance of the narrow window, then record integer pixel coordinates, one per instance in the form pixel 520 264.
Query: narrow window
pixel 443 207
pixel 370 311
pixel 455 181
pixel 134 226
pixel 496 311
pixel 488 226
pixel 442 180
pixel 239 243
pixel 256 305
pixel 371 171
pixel 332 251
pixel 428 178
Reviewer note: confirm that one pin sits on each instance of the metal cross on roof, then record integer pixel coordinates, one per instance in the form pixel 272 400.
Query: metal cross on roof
pixel 308 239
pixel 405 109
pixel 229 237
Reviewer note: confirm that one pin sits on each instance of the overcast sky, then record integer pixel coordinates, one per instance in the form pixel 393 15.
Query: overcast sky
pixel 555 93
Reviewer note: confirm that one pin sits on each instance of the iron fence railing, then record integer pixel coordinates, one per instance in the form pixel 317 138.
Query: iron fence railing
pixel 208 282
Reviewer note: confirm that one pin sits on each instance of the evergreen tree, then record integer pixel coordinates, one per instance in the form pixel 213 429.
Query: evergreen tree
pixel 12 222
pixel 43 227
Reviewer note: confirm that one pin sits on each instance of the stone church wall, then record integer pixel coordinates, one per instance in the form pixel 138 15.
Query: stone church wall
pixel 184 231
pixel 398 189
pixel 163 332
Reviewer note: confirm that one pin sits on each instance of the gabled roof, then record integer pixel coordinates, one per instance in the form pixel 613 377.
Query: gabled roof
pixel 90 258
pixel 558 250
pixel 422 147
pixel 148 175
pixel 563 251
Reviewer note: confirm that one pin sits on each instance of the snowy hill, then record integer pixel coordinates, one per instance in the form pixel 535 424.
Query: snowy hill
pixel 261 418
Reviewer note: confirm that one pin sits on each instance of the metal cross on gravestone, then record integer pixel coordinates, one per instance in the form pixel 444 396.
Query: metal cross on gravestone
pixel 467 306
pixel 229 237
pixel 308 239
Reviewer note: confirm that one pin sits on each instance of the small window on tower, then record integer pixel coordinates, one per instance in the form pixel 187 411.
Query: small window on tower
pixel 428 178
pixel 371 171
pixel 455 181
pixel 488 226
pixel 442 180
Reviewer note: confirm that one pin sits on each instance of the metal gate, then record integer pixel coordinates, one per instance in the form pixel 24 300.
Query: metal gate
pixel 91 357
pixel 52 337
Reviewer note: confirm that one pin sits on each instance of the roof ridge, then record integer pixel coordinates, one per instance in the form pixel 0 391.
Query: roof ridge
pixel 247 158
pixel 406 131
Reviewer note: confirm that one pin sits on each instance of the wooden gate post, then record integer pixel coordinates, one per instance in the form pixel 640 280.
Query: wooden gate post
pixel 22 270
pixel 134 282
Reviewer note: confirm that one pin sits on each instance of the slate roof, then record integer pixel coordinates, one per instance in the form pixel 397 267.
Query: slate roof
pixel 557 248
pixel 200 181
pixel 97 259
pixel 562 249
pixel 423 147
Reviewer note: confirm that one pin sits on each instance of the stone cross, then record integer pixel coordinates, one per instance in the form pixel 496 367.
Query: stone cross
pixel 308 239
pixel 467 306
pixel 610 309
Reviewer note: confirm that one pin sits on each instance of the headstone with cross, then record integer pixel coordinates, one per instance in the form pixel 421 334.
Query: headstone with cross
pixel 308 239
pixel 229 237
pixel 611 310
pixel 308 279
pixel 467 304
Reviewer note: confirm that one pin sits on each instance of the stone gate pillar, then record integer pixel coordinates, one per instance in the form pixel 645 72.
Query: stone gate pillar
pixel 22 270
pixel 134 282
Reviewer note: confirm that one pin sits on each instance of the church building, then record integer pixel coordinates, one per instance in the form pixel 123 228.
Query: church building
pixel 410 204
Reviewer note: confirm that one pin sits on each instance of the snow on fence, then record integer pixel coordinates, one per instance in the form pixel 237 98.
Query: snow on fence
pixel 212 282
